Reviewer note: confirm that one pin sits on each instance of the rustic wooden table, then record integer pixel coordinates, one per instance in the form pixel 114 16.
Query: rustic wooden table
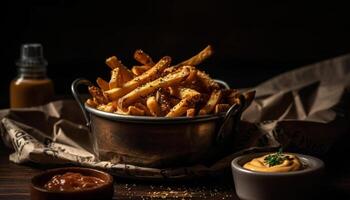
pixel 14 185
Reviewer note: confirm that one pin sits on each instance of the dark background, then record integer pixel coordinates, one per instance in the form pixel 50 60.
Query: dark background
pixel 253 41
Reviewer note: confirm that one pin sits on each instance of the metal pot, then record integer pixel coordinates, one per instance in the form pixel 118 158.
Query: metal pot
pixel 158 141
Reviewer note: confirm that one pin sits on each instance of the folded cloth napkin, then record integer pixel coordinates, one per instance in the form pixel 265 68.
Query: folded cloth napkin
pixel 305 110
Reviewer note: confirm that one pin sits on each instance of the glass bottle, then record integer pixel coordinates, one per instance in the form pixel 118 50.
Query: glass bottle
pixel 31 87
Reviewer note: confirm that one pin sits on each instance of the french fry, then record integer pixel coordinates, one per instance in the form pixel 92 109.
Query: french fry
pixel 193 75
pixel 189 93
pixel 143 58
pixel 189 98
pixel 144 108
pixel 210 105
pixel 182 107
pixel 138 70
pixel 207 81
pixel 161 90
pixel 113 63
pixel 149 75
pixel 91 103
pixel 179 109
pixel 219 108
pixel 119 110
pixel 199 58
pixel 116 79
pixel 150 87
pixel 191 112
pixel 114 93
pixel 102 84
pixel 133 110
pixel 169 70
pixel 95 101
pixel 153 106
pixel 97 94
pixel 106 108
pixel 163 98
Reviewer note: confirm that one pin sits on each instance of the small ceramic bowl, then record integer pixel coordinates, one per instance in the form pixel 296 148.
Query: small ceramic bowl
pixel 103 191
pixel 301 184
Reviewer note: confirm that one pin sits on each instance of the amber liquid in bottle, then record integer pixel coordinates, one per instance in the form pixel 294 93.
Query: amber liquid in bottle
pixel 31 87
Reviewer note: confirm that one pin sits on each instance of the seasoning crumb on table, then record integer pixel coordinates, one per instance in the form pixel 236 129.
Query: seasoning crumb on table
pixel 213 189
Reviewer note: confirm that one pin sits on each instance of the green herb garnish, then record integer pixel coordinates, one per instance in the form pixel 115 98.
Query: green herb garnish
pixel 275 159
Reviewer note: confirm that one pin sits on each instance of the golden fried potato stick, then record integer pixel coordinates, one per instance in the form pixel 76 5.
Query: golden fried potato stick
pixel 219 108
pixel 182 91
pixel 199 58
pixel 153 106
pixel 150 87
pixel 169 70
pixel 189 93
pixel 133 110
pixel 179 109
pixel 149 75
pixel 207 81
pixel 126 74
pixel 91 103
pixel 116 79
pixel 107 108
pixel 119 110
pixel 144 108
pixel 191 112
pixel 102 84
pixel 138 70
pixel 159 90
pixel 214 99
pixel 95 101
pixel 164 100
pixel 189 98
pixel 182 107
pixel 97 94
pixel 193 75
pixel 143 58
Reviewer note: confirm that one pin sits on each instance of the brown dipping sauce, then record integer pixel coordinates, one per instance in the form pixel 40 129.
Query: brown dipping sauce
pixel 72 181
pixel 31 87
pixel 30 92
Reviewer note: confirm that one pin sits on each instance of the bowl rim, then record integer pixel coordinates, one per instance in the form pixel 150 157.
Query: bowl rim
pixel 318 166
pixel 150 119
pixel 40 175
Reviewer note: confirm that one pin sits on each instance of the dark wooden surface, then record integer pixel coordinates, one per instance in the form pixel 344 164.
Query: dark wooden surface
pixel 15 179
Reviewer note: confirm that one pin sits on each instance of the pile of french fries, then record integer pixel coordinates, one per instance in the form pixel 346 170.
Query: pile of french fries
pixel 160 89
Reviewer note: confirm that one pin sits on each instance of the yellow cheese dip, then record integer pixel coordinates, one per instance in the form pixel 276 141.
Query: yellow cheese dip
pixel 290 163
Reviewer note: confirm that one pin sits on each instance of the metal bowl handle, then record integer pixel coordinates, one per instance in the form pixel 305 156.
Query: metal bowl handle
pixel 223 83
pixel 233 111
pixel 74 88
